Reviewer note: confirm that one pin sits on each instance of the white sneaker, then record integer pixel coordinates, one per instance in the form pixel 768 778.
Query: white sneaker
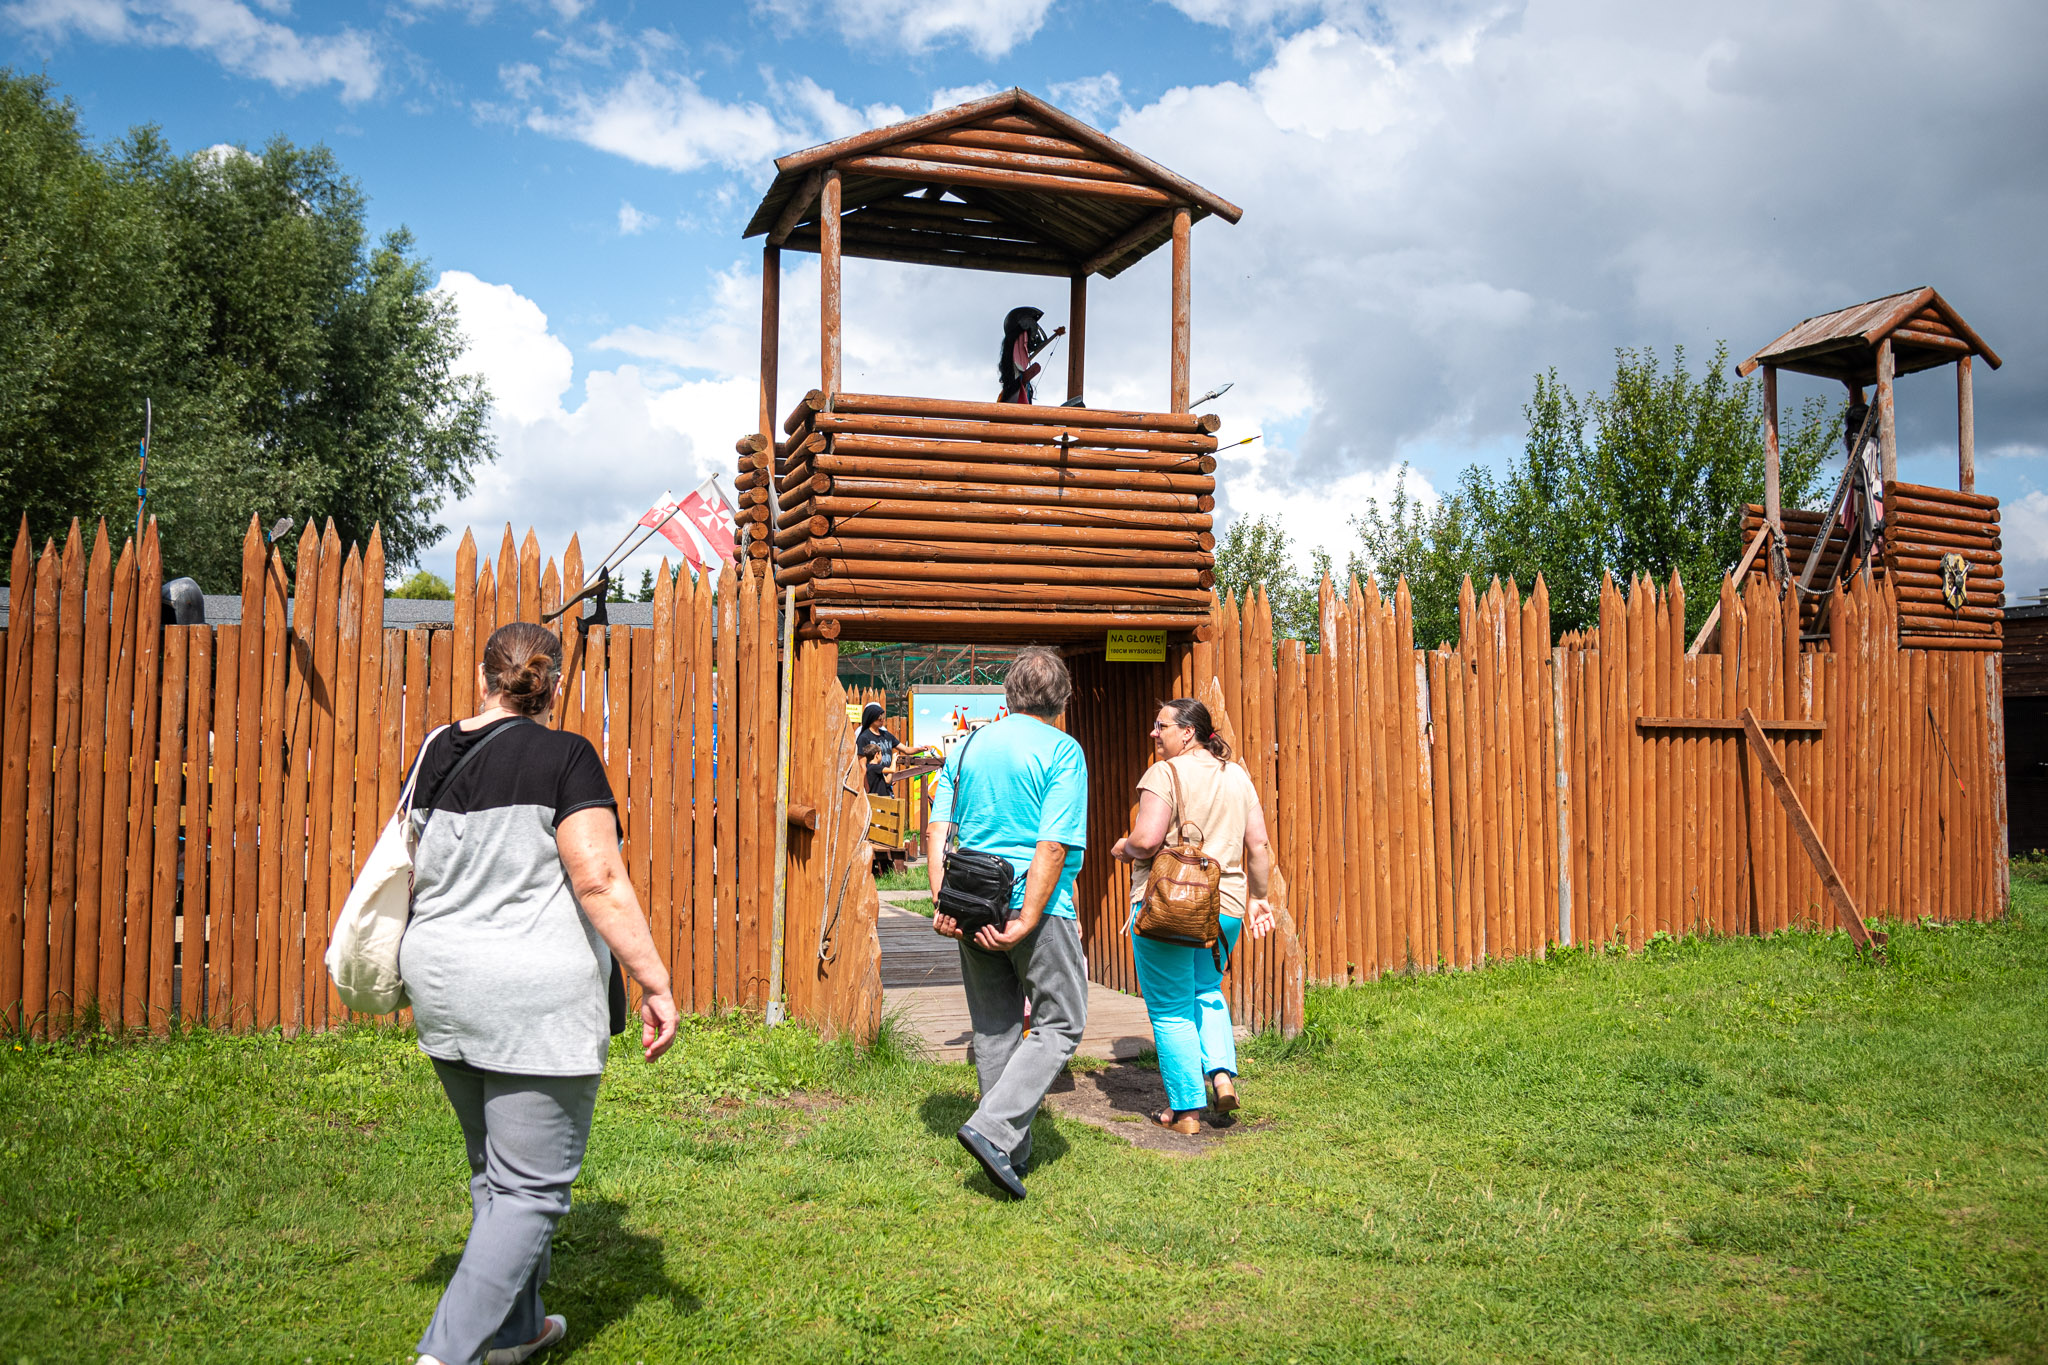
pixel 557 1328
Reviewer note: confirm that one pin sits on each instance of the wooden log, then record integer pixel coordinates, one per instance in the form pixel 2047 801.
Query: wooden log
pixel 158 926
pixel 1008 513
pixel 995 552
pixel 14 778
pixel 1967 532
pixel 1887 418
pixel 865 248
pixel 1772 508
pixel 1037 474
pixel 753 443
pixel 1966 428
pixel 1949 511
pixel 1017 142
pixel 829 281
pixel 1180 352
pixel 1913 336
pixel 1077 336
pixel 122 774
pixel 1144 231
pixel 1018 594
pixel 1976 595
pixel 1016 159
pixel 1929 492
pixel 842 486
pixel 1041 455
pixel 1029 414
pixel 1971 620
pixel 939 532
pixel 1006 619
pixel 911 570
pixel 84 986
pixel 1980 581
pixel 926 171
pixel 143 794
pixel 1023 433
pixel 802 816
pixel 64 746
pixel 39 605
pixel 1927 560
pixel 1983 644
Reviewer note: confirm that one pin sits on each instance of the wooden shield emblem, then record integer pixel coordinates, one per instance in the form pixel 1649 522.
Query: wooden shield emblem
pixel 1955 576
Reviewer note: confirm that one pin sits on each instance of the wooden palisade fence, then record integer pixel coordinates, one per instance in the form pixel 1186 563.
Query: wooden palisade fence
pixel 1450 806
pixel 185 807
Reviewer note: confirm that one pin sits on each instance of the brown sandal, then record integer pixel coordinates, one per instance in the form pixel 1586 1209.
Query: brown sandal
pixel 1226 1093
pixel 1186 1124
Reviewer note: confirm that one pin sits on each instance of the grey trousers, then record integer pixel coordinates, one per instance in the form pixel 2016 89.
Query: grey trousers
pixel 525 1137
pixel 1016 1071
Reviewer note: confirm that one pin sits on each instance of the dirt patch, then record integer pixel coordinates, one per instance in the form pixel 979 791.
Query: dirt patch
pixel 1121 1099
pixel 803 1101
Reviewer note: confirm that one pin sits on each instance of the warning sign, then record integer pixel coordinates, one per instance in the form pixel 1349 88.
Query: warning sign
pixel 1136 647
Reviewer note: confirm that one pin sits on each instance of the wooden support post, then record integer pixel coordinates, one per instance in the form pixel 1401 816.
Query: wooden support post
pixel 828 285
pixel 1077 336
pixel 1845 907
pixel 779 911
pixel 1966 429
pixel 1178 389
pixel 1887 429
pixel 771 356
pixel 1772 509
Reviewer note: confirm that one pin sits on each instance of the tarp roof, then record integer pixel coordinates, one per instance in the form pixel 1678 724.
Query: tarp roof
pixel 1924 329
pixel 1007 183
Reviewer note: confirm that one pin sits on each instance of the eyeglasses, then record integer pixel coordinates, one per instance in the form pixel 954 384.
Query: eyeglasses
pixel 1159 725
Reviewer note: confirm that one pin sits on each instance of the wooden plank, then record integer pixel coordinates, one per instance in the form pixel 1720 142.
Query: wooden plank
pixel 98 643
pixel 726 964
pixel 64 742
pixel 393 703
pixel 120 775
pixel 680 949
pixel 529 577
pixel 14 780
pixel 640 817
pixel 467 648
pixel 245 911
pixel 344 688
pixel 272 745
pixel 1802 828
pixel 1812 727
pixel 661 906
pixel 301 704
pixel 143 794
pixel 195 949
pixel 372 699
pixel 703 805
pixel 159 925
pixel 326 705
pixel 42 782
pixel 218 1002
pixel 505 588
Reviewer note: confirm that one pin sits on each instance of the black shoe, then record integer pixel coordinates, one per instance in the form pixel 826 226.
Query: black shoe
pixel 993 1160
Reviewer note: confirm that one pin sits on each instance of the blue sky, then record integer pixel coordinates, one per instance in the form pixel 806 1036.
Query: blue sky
pixel 1440 200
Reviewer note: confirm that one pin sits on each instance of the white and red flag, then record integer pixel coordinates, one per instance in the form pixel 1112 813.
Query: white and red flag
pixel 667 516
pixel 711 517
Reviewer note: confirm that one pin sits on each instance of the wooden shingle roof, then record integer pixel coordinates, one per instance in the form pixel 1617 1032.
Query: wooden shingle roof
pixel 1007 183
pixel 1924 330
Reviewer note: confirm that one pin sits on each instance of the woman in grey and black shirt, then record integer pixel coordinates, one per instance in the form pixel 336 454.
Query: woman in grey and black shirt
pixel 520 900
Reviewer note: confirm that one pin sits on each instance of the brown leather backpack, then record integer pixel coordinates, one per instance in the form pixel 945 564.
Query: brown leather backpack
pixel 1184 898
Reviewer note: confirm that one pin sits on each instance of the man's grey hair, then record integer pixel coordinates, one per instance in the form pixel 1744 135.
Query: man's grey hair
pixel 1038 683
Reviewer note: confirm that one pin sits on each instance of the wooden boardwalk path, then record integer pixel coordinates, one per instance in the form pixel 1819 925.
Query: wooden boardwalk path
pixel 921 982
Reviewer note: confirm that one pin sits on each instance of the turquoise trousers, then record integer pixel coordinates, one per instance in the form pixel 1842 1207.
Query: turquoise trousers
pixel 1190 1017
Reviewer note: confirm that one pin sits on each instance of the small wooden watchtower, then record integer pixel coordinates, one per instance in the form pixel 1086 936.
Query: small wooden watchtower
pixel 1939 546
pixel 919 518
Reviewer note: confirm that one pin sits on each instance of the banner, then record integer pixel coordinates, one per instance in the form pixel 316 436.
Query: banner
pixel 712 519
pixel 673 527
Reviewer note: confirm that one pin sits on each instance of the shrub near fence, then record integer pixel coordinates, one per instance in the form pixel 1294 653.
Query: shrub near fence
pixel 182 809
pixel 1486 800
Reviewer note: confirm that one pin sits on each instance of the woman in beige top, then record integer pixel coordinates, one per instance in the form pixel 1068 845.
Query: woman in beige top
pixel 1182 984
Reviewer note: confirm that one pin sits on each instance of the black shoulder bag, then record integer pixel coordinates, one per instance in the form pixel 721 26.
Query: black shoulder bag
pixel 977 886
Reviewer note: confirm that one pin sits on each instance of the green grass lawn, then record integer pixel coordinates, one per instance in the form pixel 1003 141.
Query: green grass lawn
pixel 1734 1150
pixel 906 879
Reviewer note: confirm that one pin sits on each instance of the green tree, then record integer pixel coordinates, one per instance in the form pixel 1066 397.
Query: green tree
pixel 1257 550
pixel 1650 477
pixel 425 587
pixel 294 367
pixel 646 593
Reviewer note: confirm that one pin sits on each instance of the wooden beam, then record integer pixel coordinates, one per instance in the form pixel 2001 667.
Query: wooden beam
pixel 1772 509
pixel 771 343
pixel 829 292
pixel 1887 428
pixel 1966 430
pixel 1000 103
pixel 1128 242
pixel 1845 907
pixel 1077 336
pixel 1797 727
pixel 1710 629
pixel 945 173
pixel 1178 377
pixel 793 212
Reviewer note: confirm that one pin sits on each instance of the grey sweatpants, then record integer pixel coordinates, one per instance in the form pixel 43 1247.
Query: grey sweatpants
pixel 1016 1071
pixel 525 1137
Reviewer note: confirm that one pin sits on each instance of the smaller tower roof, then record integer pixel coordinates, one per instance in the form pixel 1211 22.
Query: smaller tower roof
pixel 1924 331
pixel 1007 183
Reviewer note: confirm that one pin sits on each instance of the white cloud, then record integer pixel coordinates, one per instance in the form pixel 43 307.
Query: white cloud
pixel 632 221
pixel 507 341
pixel 230 32
pixel 666 121
pixel 988 29
pixel 945 97
pixel 2025 539
pixel 1092 97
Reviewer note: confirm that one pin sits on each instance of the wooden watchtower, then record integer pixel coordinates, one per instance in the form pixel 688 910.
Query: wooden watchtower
pixel 920 518
pixel 1939 547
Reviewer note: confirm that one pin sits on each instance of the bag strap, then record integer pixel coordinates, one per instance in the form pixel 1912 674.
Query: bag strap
pixel 959 786
pixel 1180 827
pixel 419 760
pixel 500 728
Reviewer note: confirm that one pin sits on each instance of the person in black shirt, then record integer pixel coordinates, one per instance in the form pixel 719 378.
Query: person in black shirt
pixel 877 746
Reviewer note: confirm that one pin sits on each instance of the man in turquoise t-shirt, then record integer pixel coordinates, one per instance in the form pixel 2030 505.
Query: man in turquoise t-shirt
pixel 1024 797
